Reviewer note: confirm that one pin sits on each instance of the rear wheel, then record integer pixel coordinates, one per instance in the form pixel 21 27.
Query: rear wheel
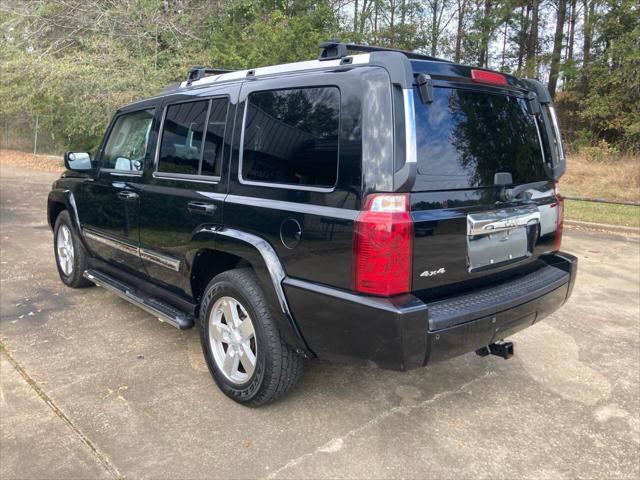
pixel 71 258
pixel 243 349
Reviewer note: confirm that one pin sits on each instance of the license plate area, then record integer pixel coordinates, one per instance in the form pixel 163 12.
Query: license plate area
pixel 499 237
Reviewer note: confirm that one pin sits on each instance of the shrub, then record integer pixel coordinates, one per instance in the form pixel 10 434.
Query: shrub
pixel 600 152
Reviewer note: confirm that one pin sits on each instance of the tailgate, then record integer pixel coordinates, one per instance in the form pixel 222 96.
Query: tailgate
pixel 483 205
pixel 468 245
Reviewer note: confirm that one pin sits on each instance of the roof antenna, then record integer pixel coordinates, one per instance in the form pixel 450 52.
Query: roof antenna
pixel 195 73
pixel 332 50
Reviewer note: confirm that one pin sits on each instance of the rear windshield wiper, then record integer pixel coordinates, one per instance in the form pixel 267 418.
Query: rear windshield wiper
pixel 509 194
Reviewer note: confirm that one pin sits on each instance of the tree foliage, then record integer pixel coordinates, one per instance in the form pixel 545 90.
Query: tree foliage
pixel 74 62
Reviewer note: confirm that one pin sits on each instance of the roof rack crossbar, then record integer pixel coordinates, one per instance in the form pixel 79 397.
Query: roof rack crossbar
pixel 198 72
pixel 332 50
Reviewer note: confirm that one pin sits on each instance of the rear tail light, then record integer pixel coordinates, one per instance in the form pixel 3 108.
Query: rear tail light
pixel 559 220
pixel 488 77
pixel 383 246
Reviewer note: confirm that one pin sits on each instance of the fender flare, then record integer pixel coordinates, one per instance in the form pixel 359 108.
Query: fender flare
pixel 270 272
pixel 65 197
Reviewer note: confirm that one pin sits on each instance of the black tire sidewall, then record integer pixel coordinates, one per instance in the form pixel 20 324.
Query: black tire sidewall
pixel 244 392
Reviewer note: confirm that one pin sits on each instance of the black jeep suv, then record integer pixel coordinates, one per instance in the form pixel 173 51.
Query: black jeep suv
pixel 375 206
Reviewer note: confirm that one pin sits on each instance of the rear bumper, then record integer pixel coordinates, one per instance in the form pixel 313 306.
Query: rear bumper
pixel 403 332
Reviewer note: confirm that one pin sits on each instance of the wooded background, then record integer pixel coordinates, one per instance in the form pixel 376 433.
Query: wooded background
pixel 68 64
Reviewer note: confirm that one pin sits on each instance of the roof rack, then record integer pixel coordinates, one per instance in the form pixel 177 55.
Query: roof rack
pixel 332 50
pixel 197 72
pixel 334 54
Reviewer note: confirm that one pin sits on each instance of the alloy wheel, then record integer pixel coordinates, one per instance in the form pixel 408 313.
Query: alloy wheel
pixel 64 246
pixel 233 340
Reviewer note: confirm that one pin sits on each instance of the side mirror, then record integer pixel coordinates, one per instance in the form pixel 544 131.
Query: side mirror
pixel 78 161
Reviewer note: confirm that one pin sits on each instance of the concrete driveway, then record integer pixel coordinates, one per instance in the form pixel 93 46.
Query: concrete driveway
pixel 94 387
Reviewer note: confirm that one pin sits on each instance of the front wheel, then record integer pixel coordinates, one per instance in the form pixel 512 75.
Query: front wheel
pixel 71 258
pixel 243 349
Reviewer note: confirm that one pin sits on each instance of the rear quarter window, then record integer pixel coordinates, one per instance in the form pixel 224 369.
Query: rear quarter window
pixel 291 137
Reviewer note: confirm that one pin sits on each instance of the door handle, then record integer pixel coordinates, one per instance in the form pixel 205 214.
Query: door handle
pixel 201 207
pixel 127 195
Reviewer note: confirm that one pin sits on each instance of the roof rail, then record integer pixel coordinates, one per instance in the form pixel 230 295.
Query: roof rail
pixel 332 50
pixel 197 72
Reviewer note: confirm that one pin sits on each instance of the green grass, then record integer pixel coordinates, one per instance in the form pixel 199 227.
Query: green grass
pixel 625 215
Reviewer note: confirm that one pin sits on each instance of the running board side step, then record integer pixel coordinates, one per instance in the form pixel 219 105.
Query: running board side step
pixel 164 312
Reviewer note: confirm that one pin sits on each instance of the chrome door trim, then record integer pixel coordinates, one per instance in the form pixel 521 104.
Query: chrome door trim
pixel 187 178
pixel 160 259
pixel 411 146
pixel 122 173
pixel 111 242
pixel 144 253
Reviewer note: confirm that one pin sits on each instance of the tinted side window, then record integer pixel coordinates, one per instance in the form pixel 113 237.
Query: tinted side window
pixel 181 145
pixel 291 137
pixel 213 145
pixel 128 141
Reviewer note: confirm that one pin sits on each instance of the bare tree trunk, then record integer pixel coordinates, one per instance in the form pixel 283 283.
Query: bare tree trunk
pixel 434 26
pixel 557 47
pixel 392 20
pixel 504 45
pixel 572 29
pixel 355 16
pixel 375 20
pixel 522 36
pixel 364 14
pixel 532 41
pixel 462 13
pixel 586 45
pixel 486 32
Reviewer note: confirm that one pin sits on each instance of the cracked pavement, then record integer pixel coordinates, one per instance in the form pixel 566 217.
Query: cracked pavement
pixel 93 387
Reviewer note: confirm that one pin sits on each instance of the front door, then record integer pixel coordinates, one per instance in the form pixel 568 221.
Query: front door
pixel 109 210
pixel 185 192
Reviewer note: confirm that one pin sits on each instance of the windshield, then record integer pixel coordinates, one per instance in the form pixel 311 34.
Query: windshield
pixel 465 137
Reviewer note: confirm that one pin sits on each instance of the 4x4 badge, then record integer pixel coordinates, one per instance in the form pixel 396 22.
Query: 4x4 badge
pixel 431 273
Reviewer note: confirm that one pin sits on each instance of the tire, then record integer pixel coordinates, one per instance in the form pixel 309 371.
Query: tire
pixel 276 366
pixel 71 258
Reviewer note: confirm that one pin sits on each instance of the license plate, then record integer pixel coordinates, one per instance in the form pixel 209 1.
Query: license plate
pixel 501 236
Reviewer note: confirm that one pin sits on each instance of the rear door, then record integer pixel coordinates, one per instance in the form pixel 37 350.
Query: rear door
pixel 186 189
pixel 483 203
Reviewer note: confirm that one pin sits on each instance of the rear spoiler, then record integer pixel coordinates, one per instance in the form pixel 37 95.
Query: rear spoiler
pixel 556 165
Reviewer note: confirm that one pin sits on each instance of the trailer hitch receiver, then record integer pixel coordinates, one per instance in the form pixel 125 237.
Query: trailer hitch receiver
pixel 501 349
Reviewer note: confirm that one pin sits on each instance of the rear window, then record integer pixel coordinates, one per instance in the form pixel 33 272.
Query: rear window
pixel 186 125
pixel 465 137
